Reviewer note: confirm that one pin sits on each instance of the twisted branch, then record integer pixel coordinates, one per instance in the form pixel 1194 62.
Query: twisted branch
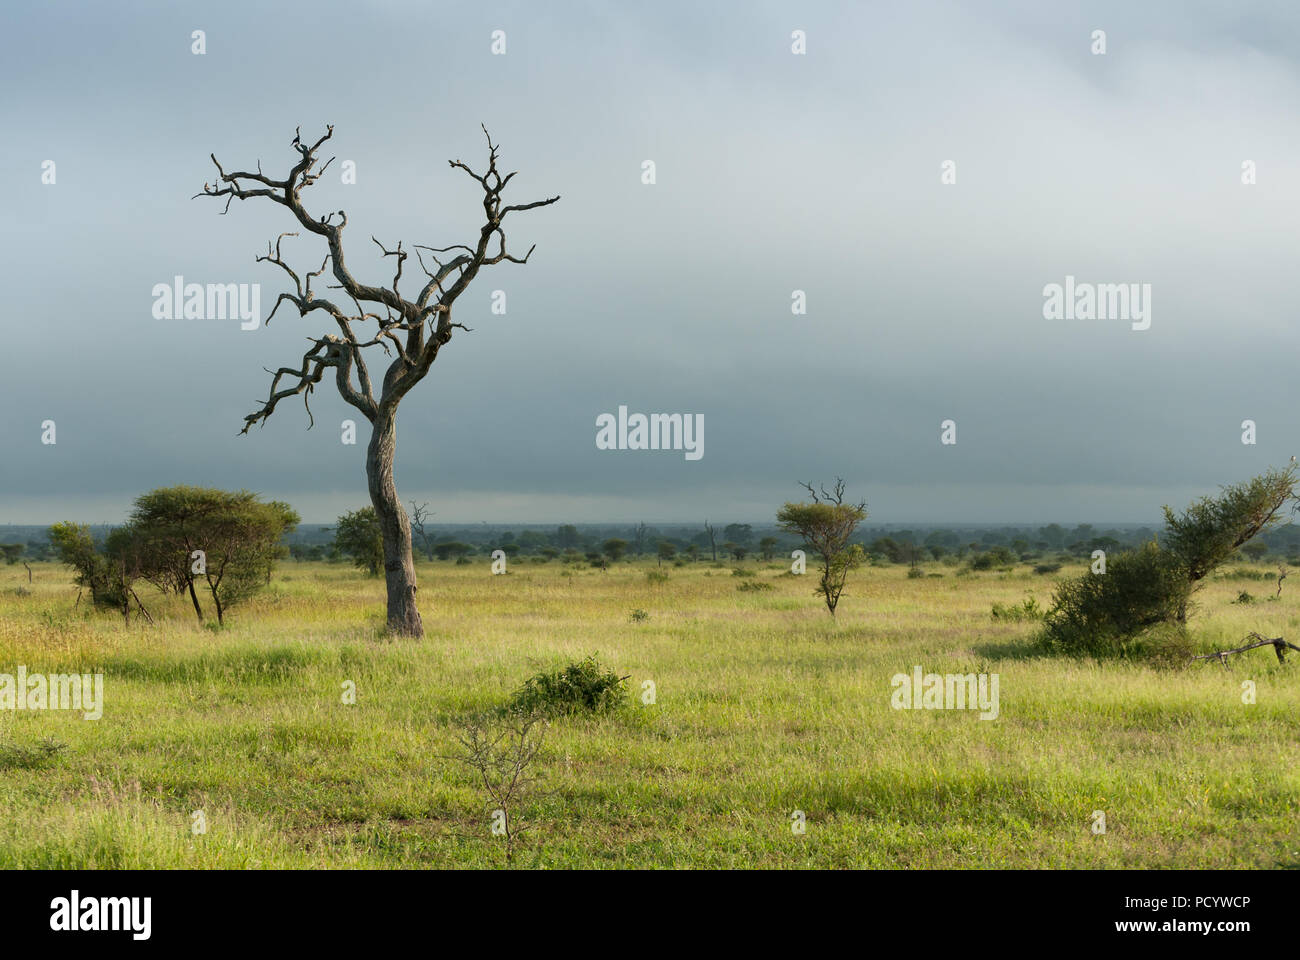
pixel 403 324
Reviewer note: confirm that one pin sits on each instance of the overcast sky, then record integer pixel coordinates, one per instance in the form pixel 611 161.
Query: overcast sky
pixel 775 172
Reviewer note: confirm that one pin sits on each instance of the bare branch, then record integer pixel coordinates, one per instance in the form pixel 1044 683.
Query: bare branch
pixel 425 321
pixel 1277 643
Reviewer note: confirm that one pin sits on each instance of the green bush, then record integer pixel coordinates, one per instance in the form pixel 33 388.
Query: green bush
pixel 1166 645
pixel 749 586
pixel 1046 568
pixel 993 557
pixel 1026 609
pixel 582 687
pixel 1106 614
pixel 657 576
pixel 915 573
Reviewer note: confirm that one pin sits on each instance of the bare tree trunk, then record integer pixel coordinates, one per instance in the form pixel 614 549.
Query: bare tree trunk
pixel 399 565
pixel 198 611
pixel 213 587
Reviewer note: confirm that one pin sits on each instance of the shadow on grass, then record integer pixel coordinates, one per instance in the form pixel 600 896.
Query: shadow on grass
pixel 1014 650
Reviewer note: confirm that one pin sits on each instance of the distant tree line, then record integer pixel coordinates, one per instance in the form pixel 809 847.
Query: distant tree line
pixel 353 539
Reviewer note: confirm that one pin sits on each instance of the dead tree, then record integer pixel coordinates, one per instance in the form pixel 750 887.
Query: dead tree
pixel 419 513
pixel 1278 644
pixel 411 332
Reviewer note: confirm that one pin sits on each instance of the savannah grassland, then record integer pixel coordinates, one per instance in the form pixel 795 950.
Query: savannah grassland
pixel 765 705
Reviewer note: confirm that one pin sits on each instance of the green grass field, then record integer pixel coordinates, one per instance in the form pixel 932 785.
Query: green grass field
pixel 764 705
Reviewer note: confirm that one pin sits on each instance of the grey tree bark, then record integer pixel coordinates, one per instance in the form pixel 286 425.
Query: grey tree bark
pixel 399 563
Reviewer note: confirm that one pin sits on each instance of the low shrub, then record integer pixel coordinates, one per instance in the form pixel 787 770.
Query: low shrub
pixel 581 687
pixel 1166 645
pixel 1026 609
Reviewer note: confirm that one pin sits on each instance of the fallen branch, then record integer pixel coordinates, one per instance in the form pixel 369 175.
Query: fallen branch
pixel 1277 643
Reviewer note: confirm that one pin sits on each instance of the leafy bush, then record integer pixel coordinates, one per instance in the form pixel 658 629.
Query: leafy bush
pixel 1046 568
pixel 750 586
pixel 1166 645
pixel 582 687
pixel 657 576
pixel 915 573
pixel 741 572
pixel 1102 614
pixel 1244 598
pixel 993 557
pixel 1026 609
pixel 357 534
pixel 638 616
pixel 1113 613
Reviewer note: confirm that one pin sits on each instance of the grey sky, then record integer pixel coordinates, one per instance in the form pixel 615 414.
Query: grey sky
pixel 775 172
